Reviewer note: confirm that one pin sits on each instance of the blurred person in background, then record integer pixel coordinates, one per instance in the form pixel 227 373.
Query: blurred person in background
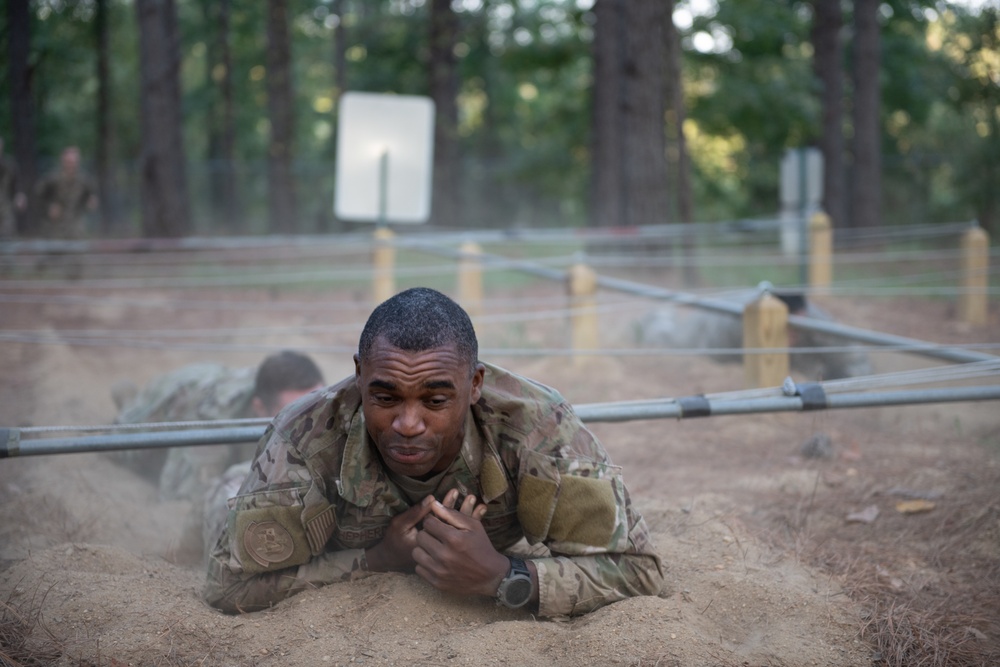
pixel 208 392
pixel 64 195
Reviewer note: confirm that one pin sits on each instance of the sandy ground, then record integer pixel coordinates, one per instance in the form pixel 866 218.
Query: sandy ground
pixel 763 566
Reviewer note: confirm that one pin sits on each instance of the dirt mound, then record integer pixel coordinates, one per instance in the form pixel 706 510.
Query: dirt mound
pixel 764 568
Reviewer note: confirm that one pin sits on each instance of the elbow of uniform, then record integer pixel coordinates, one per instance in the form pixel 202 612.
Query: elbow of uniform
pixel 236 598
pixel 647 576
pixel 221 602
pixel 232 594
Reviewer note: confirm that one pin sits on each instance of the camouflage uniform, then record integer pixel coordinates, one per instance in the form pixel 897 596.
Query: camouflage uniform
pixel 72 194
pixel 199 392
pixel 317 495
pixel 8 190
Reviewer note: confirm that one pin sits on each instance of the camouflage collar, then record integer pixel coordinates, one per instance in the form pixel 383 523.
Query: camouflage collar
pixel 362 475
pixel 361 472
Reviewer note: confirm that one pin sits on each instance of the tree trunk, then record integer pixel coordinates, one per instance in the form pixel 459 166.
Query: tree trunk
pixel 227 134
pixel 678 160
pixel 645 107
pixel 165 204
pixel 339 9
pixel 105 138
pixel 221 141
pixel 607 204
pixel 629 140
pixel 867 173
pixel 281 184
pixel 444 91
pixel 22 104
pixel 827 64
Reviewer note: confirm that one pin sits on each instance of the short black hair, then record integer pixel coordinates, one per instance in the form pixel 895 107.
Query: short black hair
pixel 285 371
pixel 420 319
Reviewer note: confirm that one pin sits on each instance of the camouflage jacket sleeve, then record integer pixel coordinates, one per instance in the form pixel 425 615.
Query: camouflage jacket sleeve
pixel 573 584
pixel 575 502
pixel 273 544
pixel 572 499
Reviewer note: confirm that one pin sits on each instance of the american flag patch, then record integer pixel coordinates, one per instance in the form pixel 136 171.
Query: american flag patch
pixel 320 528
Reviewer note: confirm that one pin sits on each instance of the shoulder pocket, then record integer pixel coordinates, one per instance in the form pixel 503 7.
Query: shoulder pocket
pixel 273 530
pixel 575 506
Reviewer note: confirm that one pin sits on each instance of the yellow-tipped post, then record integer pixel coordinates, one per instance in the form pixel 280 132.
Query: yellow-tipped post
pixel 470 279
pixel 583 308
pixel 383 260
pixel 765 326
pixel 820 250
pixel 975 273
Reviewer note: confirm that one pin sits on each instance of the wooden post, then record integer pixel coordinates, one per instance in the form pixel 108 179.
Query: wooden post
pixel 765 325
pixel 583 307
pixel 470 279
pixel 384 257
pixel 820 250
pixel 975 274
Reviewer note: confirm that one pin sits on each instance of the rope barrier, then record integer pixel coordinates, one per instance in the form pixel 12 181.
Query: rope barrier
pixel 150 247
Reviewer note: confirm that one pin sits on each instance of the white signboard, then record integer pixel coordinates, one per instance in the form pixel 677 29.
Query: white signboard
pixel 385 153
pixel 801 194
pixel 802 178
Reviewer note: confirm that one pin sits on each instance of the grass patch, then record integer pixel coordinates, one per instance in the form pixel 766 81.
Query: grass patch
pixel 25 640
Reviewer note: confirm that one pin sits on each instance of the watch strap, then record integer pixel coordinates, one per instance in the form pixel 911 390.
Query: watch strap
pixel 516 588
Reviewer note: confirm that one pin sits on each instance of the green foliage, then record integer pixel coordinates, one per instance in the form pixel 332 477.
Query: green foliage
pixel 761 89
pixel 524 71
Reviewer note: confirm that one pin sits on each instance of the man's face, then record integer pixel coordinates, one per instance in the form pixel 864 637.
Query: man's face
pixel 416 404
pixel 70 160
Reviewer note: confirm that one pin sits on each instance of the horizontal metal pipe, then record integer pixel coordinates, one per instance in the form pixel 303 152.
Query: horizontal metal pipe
pixel 674 409
pixel 11 445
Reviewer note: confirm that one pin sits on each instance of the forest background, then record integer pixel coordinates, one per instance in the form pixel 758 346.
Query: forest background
pixel 214 117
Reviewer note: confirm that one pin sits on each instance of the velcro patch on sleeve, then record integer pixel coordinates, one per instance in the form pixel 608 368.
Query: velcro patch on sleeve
pixel 585 513
pixel 269 538
pixel 535 501
pixel 492 479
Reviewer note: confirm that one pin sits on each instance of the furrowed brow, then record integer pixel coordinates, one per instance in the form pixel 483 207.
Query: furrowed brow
pixel 439 384
pixel 382 384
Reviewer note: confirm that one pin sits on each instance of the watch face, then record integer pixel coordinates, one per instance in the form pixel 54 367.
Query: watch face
pixel 517 592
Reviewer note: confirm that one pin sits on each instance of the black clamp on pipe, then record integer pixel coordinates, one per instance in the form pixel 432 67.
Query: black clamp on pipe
pixel 694 406
pixel 10 440
pixel 813 396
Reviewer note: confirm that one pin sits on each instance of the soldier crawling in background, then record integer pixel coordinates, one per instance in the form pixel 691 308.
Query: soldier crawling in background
pixel 63 195
pixel 201 392
pixel 427 460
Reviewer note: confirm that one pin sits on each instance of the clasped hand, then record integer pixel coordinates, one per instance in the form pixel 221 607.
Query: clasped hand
pixel 446 546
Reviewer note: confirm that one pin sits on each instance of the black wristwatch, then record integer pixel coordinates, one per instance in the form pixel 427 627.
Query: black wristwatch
pixel 515 589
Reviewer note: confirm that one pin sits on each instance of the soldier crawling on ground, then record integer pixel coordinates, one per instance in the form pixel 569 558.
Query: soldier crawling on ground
pixel 427 460
pixel 202 392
